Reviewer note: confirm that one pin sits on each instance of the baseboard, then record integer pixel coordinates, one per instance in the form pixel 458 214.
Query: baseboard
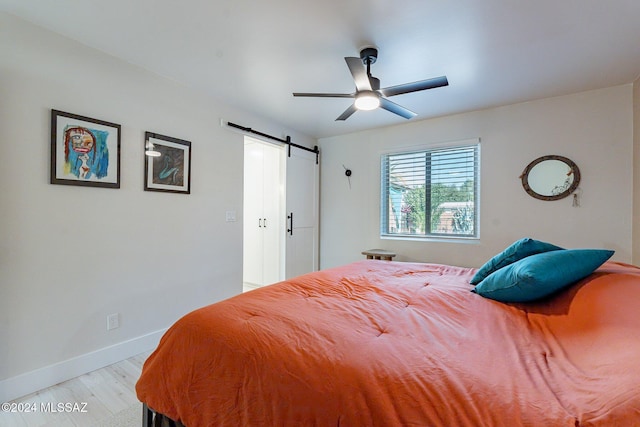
pixel 246 286
pixel 30 382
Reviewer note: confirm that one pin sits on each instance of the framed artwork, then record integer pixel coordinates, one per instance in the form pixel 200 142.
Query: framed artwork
pixel 167 164
pixel 84 151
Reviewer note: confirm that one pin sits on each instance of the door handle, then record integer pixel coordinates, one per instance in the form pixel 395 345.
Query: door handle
pixel 264 221
pixel 290 229
pixel 260 222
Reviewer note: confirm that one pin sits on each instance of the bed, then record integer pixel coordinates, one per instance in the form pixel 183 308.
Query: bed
pixel 378 343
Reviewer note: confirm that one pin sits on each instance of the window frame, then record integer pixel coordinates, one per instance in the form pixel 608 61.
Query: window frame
pixel 431 236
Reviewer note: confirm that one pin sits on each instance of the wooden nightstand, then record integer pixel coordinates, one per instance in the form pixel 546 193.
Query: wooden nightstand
pixel 379 254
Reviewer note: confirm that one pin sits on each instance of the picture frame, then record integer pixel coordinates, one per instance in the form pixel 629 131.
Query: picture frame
pixel 84 151
pixel 167 164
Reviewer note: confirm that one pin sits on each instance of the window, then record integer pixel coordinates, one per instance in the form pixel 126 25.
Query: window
pixel 431 193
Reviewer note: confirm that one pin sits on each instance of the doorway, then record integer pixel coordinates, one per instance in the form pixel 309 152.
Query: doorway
pixel 263 213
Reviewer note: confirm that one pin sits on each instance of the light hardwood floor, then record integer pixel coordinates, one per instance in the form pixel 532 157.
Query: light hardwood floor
pixel 100 393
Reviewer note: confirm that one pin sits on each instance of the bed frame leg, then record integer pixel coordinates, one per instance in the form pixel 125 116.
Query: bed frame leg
pixel 147 416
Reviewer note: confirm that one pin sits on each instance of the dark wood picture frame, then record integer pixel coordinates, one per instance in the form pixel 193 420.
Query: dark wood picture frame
pixel 84 151
pixel 167 164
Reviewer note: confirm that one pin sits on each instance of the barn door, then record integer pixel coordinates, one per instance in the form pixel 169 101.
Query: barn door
pixel 302 195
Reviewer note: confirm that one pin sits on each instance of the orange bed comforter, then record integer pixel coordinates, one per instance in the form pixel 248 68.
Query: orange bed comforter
pixel 378 343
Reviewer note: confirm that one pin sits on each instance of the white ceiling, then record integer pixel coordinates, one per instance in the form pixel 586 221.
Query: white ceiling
pixel 254 54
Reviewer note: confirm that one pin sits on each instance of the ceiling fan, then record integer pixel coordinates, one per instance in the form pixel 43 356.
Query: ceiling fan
pixel 368 95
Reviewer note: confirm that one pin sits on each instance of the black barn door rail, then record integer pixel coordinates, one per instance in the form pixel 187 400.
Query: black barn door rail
pixel 285 141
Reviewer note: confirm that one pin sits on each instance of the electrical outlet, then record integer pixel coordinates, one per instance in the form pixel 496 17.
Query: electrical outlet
pixel 231 216
pixel 113 321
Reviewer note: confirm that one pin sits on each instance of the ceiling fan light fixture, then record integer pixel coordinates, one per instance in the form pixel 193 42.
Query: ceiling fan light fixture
pixel 367 100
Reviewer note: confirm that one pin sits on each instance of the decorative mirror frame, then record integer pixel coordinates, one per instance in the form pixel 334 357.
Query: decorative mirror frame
pixel 574 185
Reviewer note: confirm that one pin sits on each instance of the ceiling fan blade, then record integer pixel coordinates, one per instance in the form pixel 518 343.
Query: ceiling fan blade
pixel 415 86
pixel 347 113
pixel 396 109
pixel 325 95
pixel 358 72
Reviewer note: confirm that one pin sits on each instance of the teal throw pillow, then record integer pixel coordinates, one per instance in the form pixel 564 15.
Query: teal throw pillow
pixel 540 275
pixel 514 252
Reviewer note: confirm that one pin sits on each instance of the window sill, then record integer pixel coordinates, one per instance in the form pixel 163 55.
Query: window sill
pixel 452 239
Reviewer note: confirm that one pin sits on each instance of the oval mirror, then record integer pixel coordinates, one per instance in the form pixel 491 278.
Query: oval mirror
pixel 551 177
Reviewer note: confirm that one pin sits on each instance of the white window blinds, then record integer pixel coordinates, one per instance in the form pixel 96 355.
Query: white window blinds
pixel 430 192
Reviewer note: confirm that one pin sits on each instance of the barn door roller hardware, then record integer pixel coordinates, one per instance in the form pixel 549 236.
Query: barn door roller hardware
pixel 285 141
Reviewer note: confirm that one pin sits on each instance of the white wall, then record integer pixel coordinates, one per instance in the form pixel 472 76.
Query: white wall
pixel 594 129
pixel 71 255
